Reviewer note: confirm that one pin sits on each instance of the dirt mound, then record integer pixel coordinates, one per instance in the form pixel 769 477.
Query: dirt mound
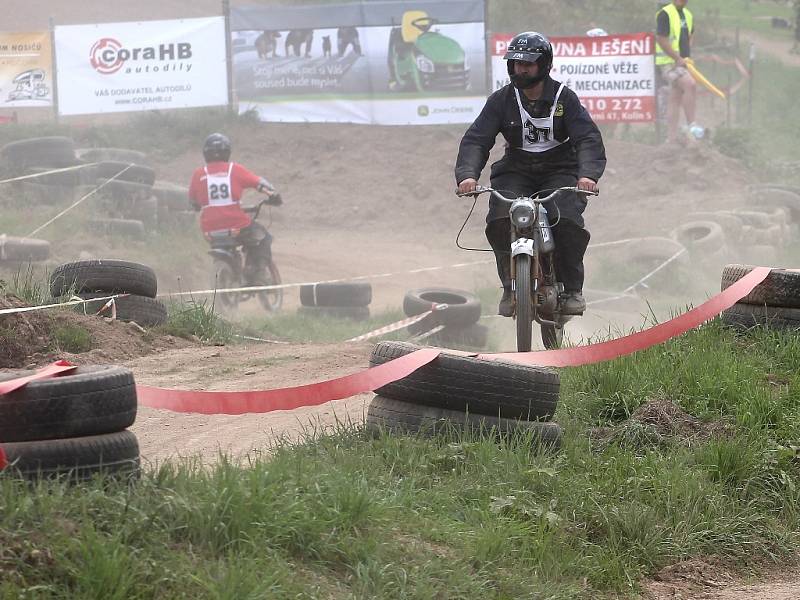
pixel 36 338
pixel 659 422
pixel 21 334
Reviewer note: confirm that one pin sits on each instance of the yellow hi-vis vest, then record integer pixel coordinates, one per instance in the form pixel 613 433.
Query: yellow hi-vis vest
pixel 662 58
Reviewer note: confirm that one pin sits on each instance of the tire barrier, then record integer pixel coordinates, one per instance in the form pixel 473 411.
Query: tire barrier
pixel 774 303
pixel 457 313
pixel 337 300
pixel 95 280
pixel 72 426
pixel 399 417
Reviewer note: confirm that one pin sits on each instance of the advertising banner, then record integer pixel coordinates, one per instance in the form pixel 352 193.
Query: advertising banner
pixel 383 62
pixel 614 75
pixel 26 69
pixel 121 67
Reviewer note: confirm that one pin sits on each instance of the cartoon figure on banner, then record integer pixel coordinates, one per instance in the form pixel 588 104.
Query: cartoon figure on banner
pixel 326 46
pixel 420 58
pixel 267 42
pixel 347 36
pixel 30 86
pixel 296 38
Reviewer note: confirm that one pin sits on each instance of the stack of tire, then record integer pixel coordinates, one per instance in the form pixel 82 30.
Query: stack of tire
pixel 758 233
pixel 456 392
pixel 92 279
pixel 174 209
pixel 341 300
pixel 773 303
pixel 72 426
pixel 454 324
pixel 38 155
pixel 125 181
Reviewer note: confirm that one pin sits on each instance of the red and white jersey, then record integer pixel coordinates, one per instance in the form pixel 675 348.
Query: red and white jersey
pixel 217 188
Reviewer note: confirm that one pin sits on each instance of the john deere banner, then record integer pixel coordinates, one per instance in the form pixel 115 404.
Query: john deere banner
pixel 614 75
pixel 384 62
pixel 119 67
pixel 26 69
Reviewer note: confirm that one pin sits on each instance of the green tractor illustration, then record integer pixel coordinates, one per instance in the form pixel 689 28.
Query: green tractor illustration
pixel 420 59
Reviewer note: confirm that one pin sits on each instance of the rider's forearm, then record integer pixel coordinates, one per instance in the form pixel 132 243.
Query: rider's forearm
pixel 264 185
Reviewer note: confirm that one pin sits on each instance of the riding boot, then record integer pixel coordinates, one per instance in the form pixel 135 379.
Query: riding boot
pixel 571 241
pixel 498 233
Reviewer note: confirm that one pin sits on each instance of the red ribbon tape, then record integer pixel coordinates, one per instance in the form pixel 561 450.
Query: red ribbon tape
pixel 314 394
pixel 585 355
pixel 61 366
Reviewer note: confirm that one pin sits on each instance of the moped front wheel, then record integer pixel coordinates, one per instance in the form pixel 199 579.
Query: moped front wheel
pixel 524 309
pixel 271 300
pixel 225 278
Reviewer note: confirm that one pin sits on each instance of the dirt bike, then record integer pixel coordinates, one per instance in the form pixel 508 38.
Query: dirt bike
pixel 537 292
pixel 230 272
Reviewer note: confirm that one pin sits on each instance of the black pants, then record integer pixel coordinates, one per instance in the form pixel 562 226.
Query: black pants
pixel 257 245
pixel 565 214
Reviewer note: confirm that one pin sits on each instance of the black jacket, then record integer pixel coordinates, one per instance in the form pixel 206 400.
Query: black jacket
pixel 584 155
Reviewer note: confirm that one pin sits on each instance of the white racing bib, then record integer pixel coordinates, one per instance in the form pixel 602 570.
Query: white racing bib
pixel 219 188
pixel 538 134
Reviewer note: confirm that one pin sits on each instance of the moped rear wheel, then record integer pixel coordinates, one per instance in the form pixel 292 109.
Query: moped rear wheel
pixel 224 278
pixel 524 310
pixel 552 336
pixel 271 300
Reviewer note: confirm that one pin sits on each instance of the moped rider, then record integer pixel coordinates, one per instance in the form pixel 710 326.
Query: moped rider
pixel 216 189
pixel 551 142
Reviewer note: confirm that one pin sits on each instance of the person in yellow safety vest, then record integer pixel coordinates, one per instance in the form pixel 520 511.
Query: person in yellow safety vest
pixel 674 31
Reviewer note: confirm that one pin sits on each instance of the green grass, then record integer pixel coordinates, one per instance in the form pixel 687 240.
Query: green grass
pixel 746 14
pixel 71 338
pixel 345 515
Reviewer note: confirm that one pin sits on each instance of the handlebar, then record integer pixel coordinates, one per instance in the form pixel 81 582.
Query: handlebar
pixel 482 190
pixel 272 200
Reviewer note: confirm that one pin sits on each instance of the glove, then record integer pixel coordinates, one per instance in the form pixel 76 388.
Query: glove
pixel 275 200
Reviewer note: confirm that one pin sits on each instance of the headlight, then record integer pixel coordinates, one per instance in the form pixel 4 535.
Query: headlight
pixel 425 64
pixel 522 215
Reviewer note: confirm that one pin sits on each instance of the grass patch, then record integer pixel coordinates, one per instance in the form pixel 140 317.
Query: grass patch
pixel 346 515
pixel 197 319
pixel 71 338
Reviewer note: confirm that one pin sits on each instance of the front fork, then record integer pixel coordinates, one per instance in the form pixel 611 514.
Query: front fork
pixel 530 248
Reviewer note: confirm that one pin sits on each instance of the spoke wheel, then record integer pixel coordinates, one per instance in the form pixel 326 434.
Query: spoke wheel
pixel 271 300
pixel 524 311
pixel 552 336
pixel 224 278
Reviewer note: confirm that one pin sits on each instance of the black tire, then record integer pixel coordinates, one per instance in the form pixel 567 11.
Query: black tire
pixel 747 316
pixel 62 178
pixel 90 400
pixel 463 308
pixel 77 458
pixel 354 313
pixel 122 171
pixel 53 152
pixel 398 417
pixel 224 277
pixel 346 293
pixel 117 276
pixel 524 305
pixel 780 288
pixel 129 228
pixel 144 311
pixel 773 196
pixel 14 249
pixel 466 384
pixel 123 155
pixel 171 197
pixel 123 190
pixel 271 300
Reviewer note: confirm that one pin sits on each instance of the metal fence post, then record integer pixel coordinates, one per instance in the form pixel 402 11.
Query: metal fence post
pixel 54 67
pixel 226 11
